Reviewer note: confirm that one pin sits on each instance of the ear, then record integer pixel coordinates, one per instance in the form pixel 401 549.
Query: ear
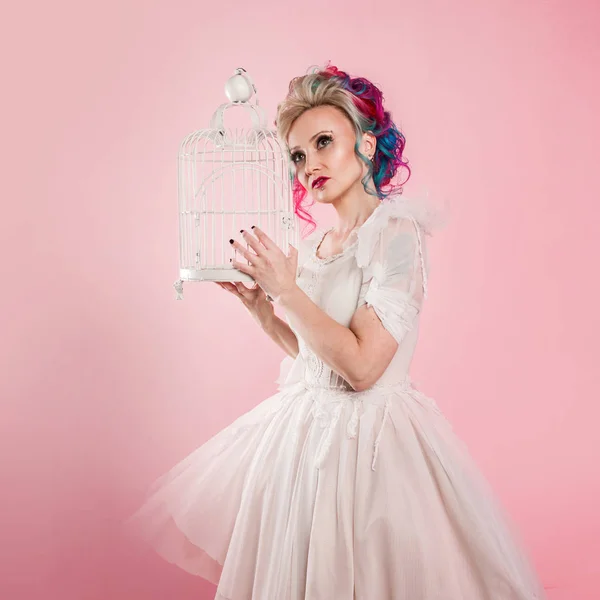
pixel 369 143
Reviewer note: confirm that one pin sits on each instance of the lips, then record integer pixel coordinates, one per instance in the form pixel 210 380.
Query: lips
pixel 319 182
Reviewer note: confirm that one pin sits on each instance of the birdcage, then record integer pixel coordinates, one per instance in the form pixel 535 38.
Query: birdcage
pixel 231 179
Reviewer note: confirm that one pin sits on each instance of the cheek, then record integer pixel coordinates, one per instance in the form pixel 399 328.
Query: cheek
pixel 343 157
pixel 301 176
pixel 346 164
pixel 301 179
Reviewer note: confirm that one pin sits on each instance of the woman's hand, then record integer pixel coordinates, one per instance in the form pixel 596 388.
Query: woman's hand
pixel 270 268
pixel 253 298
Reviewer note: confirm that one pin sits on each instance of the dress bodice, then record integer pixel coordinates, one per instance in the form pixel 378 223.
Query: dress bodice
pixel 383 263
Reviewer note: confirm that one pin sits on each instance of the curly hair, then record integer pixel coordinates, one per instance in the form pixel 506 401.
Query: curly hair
pixel 362 103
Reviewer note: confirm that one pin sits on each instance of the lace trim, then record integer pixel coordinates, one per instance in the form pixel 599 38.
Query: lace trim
pixel 347 245
pixel 328 259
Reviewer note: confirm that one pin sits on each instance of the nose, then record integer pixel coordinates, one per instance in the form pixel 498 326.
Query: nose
pixel 311 165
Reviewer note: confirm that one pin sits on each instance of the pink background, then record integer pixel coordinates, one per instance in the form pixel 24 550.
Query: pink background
pixel 107 381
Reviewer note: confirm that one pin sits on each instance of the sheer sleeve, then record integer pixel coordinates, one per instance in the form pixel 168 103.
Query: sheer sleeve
pixel 394 276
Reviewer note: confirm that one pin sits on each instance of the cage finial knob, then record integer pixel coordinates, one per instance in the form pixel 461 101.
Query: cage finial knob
pixel 239 88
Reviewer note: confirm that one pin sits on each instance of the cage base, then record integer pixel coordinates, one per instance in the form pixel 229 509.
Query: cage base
pixel 214 275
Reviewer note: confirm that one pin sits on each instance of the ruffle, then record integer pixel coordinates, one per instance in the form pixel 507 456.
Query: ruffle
pixel 393 308
pixel 427 215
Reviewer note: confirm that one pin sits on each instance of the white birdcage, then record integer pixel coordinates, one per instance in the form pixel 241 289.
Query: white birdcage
pixel 231 179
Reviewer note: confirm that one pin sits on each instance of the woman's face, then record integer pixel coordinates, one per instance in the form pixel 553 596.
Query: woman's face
pixel 321 142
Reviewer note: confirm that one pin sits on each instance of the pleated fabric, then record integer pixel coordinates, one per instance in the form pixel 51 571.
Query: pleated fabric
pixel 261 511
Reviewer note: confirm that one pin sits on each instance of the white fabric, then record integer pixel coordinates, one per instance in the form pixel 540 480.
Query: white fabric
pixel 393 280
pixel 323 493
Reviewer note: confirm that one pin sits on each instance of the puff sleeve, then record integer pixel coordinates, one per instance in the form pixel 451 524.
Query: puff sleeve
pixel 394 275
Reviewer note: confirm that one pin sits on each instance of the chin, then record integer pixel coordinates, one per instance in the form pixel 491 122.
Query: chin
pixel 325 196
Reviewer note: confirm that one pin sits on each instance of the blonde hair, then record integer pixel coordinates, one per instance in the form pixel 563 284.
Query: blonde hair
pixel 311 91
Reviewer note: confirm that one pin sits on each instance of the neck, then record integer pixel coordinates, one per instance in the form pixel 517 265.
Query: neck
pixel 354 208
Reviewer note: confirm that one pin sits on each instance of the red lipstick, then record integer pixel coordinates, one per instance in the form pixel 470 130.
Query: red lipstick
pixel 317 183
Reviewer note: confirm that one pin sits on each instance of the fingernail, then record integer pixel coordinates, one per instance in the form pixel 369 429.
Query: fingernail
pixel 231 241
pixel 231 259
pixel 241 231
pixel 252 227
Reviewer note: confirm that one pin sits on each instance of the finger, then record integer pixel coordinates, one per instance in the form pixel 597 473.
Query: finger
pixel 241 288
pixel 263 238
pixel 248 269
pixel 233 290
pixel 257 288
pixel 249 256
pixel 253 242
pixel 229 287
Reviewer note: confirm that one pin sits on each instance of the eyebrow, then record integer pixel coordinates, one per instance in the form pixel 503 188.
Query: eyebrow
pixel 312 138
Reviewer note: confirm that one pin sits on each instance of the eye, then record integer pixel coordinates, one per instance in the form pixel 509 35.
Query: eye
pixel 326 138
pixel 296 156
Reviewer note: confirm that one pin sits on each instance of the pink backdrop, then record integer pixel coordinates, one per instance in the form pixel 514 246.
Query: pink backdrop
pixel 107 381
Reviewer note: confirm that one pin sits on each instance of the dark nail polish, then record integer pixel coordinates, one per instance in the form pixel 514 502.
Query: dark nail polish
pixel 252 227
pixel 231 259
pixel 241 231
pixel 231 241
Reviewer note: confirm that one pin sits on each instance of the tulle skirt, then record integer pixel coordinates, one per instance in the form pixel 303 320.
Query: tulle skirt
pixel 323 494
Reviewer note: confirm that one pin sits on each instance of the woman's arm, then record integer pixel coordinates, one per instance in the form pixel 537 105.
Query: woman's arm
pixel 281 333
pixel 359 358
pixel 261 309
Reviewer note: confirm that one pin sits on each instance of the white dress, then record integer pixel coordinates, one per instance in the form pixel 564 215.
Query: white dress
pixel 324 493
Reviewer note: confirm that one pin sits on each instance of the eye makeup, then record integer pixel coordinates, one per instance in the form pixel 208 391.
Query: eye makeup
pixel 322 137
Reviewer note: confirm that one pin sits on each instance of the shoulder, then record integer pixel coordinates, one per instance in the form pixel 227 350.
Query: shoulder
pixel 398 226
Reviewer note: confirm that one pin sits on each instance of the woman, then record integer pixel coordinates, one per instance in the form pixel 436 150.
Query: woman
pixel 348 483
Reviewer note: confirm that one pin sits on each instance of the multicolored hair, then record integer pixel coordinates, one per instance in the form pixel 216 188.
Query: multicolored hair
pixel 362 102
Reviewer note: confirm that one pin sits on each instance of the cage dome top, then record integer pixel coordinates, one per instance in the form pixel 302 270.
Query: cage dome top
pixel 240 88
